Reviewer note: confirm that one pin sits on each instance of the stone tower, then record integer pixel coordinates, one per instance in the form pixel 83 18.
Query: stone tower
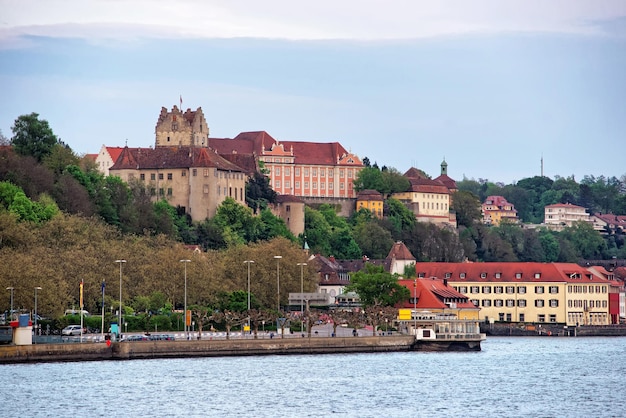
pixel 178 129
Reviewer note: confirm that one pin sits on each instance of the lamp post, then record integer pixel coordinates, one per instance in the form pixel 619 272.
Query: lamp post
pixel 36 289
pixel 278 257
pixel 415 306
pixel 302 289
pixel 248 263
pixel 119 321
pixel 11 288
pixel 185 314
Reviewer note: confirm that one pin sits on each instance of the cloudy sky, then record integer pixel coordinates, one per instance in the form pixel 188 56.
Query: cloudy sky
pixel 492 86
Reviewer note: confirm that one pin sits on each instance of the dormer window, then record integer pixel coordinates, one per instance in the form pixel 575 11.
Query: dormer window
pixel 483 275
pixel 518 275
pixel 462 275
pixel 537 275
pixel 448 275
pixel 498 275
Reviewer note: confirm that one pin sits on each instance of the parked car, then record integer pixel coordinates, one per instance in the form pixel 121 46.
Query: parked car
pixel 73 330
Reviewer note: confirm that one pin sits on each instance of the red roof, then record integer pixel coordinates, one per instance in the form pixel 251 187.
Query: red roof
pixel 509 272
pixel 447 181
pixel 114 152
pixel 564 205
pixel 170 157
pixel 431 293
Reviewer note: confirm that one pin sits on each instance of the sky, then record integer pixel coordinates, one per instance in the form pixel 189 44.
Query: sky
pixel 492 86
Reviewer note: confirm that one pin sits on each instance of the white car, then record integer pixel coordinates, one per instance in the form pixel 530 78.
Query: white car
pixel 73 330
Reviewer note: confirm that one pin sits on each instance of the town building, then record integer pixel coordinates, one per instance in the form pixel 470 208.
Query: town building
pixel 563 293
pixel 439 297
pixel 195 179
pixel 428 199
pixel 106 158
pixel 495 209
pixel 562 215
pixel 371 200
pixel 607 223
pixel 302 169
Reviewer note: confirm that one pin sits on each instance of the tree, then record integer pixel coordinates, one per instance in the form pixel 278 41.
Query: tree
pixel 467 208
pixel 376 287
pixel 32 136
pixel 259 192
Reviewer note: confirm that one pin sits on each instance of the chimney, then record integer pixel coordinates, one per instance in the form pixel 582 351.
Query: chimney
pixel 445 282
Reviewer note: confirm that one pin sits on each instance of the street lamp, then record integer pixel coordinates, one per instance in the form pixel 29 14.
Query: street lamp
pixel 301 286
pixel 185 315
pixel 278 257
pixel 36 289
pixel 415 306
pixel 119 321
pixel 11 311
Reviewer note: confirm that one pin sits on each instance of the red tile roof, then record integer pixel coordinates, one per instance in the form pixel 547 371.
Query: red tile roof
pixel 114 152
pixel 370 195
pixel 399 251
pixel 431 293
pixel 447 181
pixel 564 205
pixel 509 272
pixel 170 157
pixel 424 185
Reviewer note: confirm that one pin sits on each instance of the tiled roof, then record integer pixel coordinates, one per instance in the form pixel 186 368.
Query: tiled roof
pixel 431 292
pixel 424 185
pixel 614 220
pixel 287 198
pixel 498 201
pixel 114 152
pixel 369 194
pixel 399 251
pixel 447 181
pixel 170 157
pixel 509 272
pixel 564 205
pixel 415 173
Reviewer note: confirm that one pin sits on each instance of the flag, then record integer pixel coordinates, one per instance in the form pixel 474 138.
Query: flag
pixel 81 293
pixel 103 286
pixel 181 102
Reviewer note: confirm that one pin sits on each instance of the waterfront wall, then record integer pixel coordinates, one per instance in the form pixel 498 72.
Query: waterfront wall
pixel 201 348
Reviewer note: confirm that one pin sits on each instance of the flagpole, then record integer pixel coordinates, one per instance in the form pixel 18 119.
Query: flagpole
pixel 102 328
pixel 82 284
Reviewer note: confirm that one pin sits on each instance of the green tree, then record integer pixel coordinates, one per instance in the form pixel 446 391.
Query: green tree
pixel 376 287
pixel 400 216
pixel 467 208
pixel 259 192
pixel 33 136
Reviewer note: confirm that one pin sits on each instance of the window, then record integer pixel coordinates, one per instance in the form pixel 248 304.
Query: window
pixel 537 275
pixel 552 318
pixel 205 172
pixel 142 176
pixel 330 172
pixel 521 303
pixel 277 183
pixel 169 176
pixel 448 275
pixel 306 171
pixel 483 275
pixel 183 173
pixel 169 191
pixel 486 303
pixel 518 275
pixel 462 275
pixel 330 186
pixel 501 316
pixel 205 189
pixel 476 302
pixel 541 318
pixel 306 184
pixel 508 317
pixel 315 171
pixel 322 172
pixel 277 171
pixel 297 184
pixel 510 289
pixel 287 171
pixel 521 317
pixel 422 274
pixel 161 192
pixel 462 289
pixel 486 289
pixel 539 303
pixel 473 289
pixel 498 275
pixel 498 289
pixel 554 303
pixel 152 176
pixel 553 289
pixel 341 173
pixel 160 176
pixel 538 289
pixel 510 303
pixel 498 303
pixel 315 185
pixel 194 172
pixel 297 171
pixel 287 184
pixel 521 289
pixel 152 191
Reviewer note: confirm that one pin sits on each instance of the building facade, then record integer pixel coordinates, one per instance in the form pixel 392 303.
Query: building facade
pixel 563 293
pixel 371 200
pixel 302 169
pixel 561 215
pixel 495 209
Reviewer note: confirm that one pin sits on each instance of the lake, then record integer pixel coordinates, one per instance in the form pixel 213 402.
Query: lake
pixel 510 377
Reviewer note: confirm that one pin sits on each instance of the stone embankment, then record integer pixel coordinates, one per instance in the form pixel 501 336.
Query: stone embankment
pixel 202 348
pixel 549 330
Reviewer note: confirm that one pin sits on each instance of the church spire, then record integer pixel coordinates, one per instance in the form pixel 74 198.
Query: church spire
pixel 444 167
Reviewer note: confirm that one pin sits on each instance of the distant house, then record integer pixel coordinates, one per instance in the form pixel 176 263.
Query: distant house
pixel 608 223
pixel 429 200
pixel 495 209
pixel 561 215
pixel 106 158
pixel 371 200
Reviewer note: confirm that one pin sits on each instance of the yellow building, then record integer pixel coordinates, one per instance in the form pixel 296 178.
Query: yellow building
pixel 370 200
pixel 496 208
pixel 563 293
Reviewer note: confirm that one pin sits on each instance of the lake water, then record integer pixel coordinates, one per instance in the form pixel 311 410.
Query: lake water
pixel 510 377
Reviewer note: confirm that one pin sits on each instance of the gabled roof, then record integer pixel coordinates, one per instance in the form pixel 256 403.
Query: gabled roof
pixel 171 157
pixel 424 185
pixel 612 220
pixel 399 251
pixel 114 152
pixel 370 195
pixel 415 173
pixel 431 293
pixel 447 181
pixel 564 205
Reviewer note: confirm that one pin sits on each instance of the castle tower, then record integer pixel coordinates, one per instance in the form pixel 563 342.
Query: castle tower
pixel 178 129
pixel 444 167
